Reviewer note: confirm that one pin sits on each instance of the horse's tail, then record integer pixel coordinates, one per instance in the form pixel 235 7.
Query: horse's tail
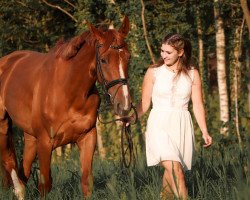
pixel 8 160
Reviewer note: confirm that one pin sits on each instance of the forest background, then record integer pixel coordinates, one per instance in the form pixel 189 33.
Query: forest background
pixel 220 34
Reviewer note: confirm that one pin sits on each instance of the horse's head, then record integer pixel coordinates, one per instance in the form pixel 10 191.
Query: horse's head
pixel 112 57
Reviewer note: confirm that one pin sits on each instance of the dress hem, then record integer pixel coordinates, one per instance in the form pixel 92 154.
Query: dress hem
pixel 184 167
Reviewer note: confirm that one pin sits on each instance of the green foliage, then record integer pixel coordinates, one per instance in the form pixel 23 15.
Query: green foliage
pixel 29 24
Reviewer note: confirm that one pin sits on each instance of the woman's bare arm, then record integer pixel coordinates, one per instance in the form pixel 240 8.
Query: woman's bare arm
pixel 198 108
pixel 147 88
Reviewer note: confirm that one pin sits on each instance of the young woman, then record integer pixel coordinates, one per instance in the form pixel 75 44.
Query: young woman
pixel 170 84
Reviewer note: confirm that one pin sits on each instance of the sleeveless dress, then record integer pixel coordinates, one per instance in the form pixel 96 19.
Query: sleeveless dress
pixel 169 131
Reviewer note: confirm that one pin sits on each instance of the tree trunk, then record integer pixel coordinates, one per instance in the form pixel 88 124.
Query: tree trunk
pixel 201 50
pixel 237 69
pixel 67 150
pixel 221 69
pixel 246 12
pixel 248 71
pixel 145 32
pixel 101 149
pixel 59 151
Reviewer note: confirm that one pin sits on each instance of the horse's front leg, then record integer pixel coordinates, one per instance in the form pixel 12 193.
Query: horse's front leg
pixel 44 152
pixel 86 145
pixel 29 154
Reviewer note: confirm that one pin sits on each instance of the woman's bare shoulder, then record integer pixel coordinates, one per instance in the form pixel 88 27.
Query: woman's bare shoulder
pixel 151 73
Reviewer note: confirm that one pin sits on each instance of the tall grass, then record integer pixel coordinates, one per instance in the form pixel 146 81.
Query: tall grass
pixel 219 172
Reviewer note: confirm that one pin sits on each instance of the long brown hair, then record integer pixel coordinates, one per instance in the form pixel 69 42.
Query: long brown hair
pixel 178 42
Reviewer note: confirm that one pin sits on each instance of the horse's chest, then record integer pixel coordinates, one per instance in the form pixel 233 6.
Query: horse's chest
pixel 72 120
pixel 73 128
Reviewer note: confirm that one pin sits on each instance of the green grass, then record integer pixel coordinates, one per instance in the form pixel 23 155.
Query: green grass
pixel 220 172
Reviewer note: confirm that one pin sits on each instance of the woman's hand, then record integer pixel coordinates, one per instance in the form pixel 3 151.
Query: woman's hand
pixel 129 120
pixel 207 139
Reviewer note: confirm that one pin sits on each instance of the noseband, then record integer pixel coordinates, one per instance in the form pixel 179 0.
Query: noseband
pixel 107 85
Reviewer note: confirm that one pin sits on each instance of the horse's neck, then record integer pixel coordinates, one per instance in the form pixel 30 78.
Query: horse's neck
pixel 79 72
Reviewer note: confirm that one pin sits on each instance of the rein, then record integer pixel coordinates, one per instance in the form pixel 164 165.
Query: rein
pixel 126 136
pixel 126 130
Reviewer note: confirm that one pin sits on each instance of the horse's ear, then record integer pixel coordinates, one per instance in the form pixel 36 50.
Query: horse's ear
pixel 124 29
pixel 97 33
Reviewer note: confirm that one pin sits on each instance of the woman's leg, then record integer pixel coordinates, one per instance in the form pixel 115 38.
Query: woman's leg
pixel 173 179
pixel 167 192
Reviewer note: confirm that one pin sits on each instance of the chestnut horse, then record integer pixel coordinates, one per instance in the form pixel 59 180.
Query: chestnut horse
pixel 52 97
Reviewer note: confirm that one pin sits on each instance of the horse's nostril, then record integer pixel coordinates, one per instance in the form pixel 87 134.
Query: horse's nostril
pixel 118 106
pixel 129 107
pixel 122 110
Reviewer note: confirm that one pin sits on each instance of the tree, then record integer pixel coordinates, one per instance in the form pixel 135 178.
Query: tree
pixel 221 68
pixel 201 47
pixel 100 146
pixel 145 32
pixel 237 71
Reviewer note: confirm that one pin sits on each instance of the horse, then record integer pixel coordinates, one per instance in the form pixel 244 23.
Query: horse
pixel 53 98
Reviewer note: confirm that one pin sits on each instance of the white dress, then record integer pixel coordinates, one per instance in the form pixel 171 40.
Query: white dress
pixel 169 132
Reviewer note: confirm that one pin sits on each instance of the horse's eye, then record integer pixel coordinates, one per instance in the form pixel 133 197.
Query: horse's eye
pixel 104 61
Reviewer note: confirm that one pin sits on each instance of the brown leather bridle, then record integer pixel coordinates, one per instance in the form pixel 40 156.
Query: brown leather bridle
pixel 105 84
pixel 126 130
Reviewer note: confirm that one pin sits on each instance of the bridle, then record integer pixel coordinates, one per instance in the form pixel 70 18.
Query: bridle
pixel 105 84
pixel 126 131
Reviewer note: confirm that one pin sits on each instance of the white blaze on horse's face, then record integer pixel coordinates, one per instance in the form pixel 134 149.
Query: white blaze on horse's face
pixel 124 87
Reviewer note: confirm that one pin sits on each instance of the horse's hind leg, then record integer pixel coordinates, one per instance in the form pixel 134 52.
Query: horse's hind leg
pixel 29 154
pixel 7 154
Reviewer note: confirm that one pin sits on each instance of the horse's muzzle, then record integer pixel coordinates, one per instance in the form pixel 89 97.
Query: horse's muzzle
pixel 122 110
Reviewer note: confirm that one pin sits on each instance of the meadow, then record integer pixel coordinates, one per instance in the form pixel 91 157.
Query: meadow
pixel 219 172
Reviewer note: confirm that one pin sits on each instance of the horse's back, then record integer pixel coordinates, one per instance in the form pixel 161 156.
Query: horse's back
pixel 20 68
pixel 19 73
pixel 13 59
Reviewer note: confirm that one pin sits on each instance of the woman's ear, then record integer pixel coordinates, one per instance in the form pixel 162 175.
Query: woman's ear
pixel 181 52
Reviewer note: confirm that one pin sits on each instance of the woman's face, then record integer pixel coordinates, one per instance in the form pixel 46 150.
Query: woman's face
pixel 170 55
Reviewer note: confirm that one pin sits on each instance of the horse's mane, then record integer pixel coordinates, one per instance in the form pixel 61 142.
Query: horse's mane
pixel 68 49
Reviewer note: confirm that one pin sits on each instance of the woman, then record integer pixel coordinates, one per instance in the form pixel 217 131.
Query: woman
pixel 169 135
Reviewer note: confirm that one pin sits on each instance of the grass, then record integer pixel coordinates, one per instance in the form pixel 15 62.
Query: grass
pixel 220 172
